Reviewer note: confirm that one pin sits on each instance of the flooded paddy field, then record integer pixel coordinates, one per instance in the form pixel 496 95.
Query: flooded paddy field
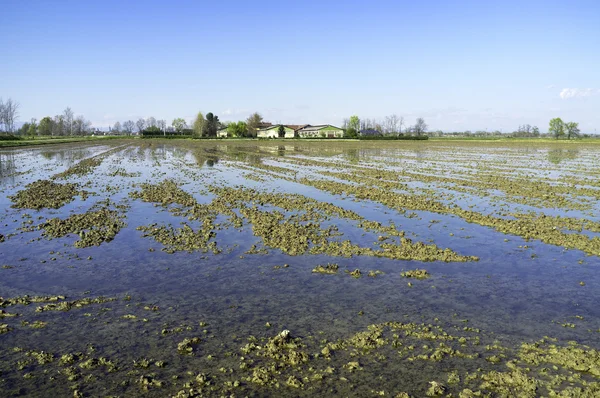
pixel 199 269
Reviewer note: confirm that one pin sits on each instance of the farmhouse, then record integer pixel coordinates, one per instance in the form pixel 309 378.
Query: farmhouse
pixel 322 130
pixel 273 132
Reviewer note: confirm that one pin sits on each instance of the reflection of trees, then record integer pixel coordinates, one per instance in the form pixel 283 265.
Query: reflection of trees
pixel 7 164
pixel 48 154
pixel 353 155
pixel 281 150
pixel 206 156
pixel 558 155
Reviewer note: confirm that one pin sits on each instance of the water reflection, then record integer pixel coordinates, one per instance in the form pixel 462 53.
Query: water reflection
pixel 556 156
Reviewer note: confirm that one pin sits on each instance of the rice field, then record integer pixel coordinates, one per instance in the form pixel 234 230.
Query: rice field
pixel 248 268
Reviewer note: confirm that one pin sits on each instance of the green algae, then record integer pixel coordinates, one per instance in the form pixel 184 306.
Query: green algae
pixel 93 227
pixel 73 304
pixel 355 274
pixel 27 300
pixel 81 168
pixel 416 273
pixel 295 234
pixel 4 314
pixel 186 346
pixel 166 192
pixel 329 268
pixel 489 374
pixel 282 363
pixel 46 194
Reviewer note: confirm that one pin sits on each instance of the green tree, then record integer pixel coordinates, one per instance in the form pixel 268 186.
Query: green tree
pixel 351 127
pixel 153 130
pixel 253 122
pixel 179 124
pixel 572 129
pixel 211 125
pixel 45 127
pixel 24 129
pixel 199 124
pixel 239 129
pixel 557 127
pixel 281 131
pixel 32 130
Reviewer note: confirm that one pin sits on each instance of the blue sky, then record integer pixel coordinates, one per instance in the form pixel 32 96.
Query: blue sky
pixel 458 64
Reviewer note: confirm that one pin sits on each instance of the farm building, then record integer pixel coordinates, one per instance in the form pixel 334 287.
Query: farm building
pixel 323 130
pixel 273 132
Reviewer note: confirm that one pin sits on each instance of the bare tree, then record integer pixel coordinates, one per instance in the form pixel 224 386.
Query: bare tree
pixel 345 123
pixel 395 123
pixel 150 122
pixel 387 125
pixel 140 124
pixel 2 112
pixel 9 113
pixel 162 125
pixel 117 127
pixel 81 125
pixel 68 118
pixel 420 127
pixel 58 125
pixel 128 127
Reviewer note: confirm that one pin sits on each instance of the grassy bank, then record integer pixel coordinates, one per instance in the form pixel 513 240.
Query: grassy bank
pixel 52 140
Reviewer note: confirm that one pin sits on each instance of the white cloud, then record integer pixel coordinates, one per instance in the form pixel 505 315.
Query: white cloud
pixel 567 93
pixel 550 86
pixel 235 112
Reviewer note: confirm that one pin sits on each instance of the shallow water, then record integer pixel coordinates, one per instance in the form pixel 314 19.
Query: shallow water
pixel 519 291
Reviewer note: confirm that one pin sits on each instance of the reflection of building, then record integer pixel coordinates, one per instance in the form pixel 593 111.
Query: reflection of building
pixel 323 130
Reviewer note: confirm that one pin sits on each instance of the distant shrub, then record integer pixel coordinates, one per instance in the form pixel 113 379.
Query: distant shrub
pixel 160 134
pixel 9 137
pixel 393 138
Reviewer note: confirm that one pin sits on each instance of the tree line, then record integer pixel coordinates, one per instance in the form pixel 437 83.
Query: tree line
pixel 67 124
pixel 390 126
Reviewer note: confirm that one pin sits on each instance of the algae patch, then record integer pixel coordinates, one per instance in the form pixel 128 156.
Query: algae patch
pixel 329 268
pixel 46 194
pixel 416 274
